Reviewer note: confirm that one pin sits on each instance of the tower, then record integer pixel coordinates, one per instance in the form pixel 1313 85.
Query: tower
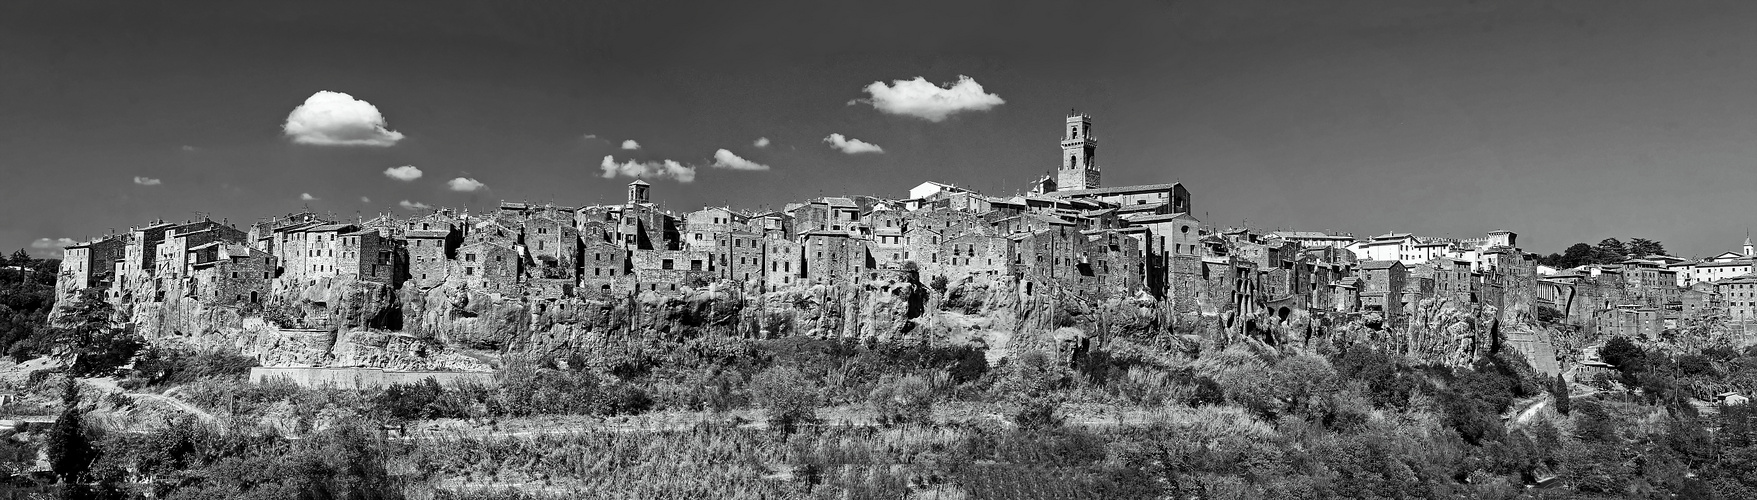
pixel 637 192
pixel 1079 154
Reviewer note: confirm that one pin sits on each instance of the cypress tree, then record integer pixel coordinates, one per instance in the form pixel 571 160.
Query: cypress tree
pixel 1560 390
pixel 70 454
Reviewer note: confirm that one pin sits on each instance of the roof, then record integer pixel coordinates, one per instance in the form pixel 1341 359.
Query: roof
pixel 1050 219
pixel 1379 264
pixel 638 182
pixel 425 233
pixel 1143 188
pixel 1738 280
pixel 1391 236
pixel 1740 262
pixel 1309 235
pixel 837 201
pixel 328 228
pixel 1149 219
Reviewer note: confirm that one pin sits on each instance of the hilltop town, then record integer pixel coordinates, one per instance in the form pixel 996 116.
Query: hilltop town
pixel 869 266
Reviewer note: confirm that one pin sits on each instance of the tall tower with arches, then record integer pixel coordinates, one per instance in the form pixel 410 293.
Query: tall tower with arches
pixel 1079 168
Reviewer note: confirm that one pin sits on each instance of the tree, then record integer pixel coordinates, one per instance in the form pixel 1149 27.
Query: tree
pixel 1560 391
pixel 88 328
pixel 1610 251
pixel 904 400
pixel 1032 388
pixel 788 397
pixel 1578 255
pixel 70 453
pixel 1642 247
pixel 1623 354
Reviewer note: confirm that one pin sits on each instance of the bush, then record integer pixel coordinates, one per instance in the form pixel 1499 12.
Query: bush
pixel 168 366
pixel 903 400
pixel 786 396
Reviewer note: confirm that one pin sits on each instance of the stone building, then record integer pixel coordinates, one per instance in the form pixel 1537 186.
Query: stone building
pixel 489 264
pixel 1381 287
pixel 1079 169
pixel 92 263
pixel 226 273
pixel 368 255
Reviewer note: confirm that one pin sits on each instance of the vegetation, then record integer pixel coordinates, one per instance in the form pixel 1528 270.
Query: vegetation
pixel 1608 251
pixel 843 418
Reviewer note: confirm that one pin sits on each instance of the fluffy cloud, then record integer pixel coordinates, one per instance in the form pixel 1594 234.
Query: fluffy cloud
pixel 725 159
pixel 852 146
pixel 364 199
pixel 307 197
pixel 464 184
pixel 414 205
pixel 50 247
pixel 337 119
pixel 648 170
pixel 403 173
pixel 630 145
pixel 922 99
pixel 589 136
pixel 761 142
pixel 147 181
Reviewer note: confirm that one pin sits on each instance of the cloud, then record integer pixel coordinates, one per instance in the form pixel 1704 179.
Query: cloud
pixel 725 159
pixel 852 146
pixel 649 170
pixel 922 99
pixel 50 247
pixel 630 145
pixel 589 136
pixel 307 197
pixel 403 173
pixel 187 147
pixel 414 205
pixel 463 184
pixel 761 142
pixel 337 119
pixel 147 181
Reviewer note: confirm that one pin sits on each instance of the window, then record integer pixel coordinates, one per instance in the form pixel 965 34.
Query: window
pixel 469 271
pixel 666 264
pixel 469 257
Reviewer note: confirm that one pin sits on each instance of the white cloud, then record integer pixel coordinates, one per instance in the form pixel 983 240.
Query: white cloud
pixel 922 99
pixel 648 170
pixel 852 146
pixel 147 181
pixel 761 142
pixel 403 173
pixel 187 147
pixel 589 136
pixel 725 159
pixel 337 119
pixel 414 205
pixel 50 247
pixel 630 145
pixel 364 199
pixel 464 184
pixel 307 197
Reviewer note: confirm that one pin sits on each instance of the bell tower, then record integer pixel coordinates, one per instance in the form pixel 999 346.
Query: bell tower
pixel 1079 168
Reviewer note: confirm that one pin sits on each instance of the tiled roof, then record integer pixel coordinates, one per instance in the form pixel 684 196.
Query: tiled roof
pixel 1144 188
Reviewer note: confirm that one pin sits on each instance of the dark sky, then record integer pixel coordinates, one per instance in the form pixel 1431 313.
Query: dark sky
pixel 1563 121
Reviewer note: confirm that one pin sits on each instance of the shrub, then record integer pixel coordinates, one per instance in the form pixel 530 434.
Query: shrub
pixel 169 366
pixel 786 396
pixel 904 400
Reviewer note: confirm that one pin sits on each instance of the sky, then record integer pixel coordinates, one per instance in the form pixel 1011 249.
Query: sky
pixel 1563 121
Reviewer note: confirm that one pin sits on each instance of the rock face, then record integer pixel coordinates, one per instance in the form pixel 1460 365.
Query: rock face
pixel 449 326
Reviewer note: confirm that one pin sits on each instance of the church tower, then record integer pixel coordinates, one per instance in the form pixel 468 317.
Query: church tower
pixel 1079 154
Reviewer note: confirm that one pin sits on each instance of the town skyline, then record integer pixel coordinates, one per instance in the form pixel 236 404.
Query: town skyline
pixel 1346 122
